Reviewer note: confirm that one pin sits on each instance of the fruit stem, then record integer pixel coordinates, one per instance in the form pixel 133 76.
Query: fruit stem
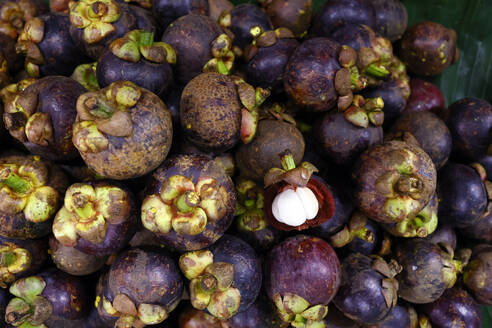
pixel 377 71
pixel 222 68
pixel 187 202
pixel 147 38
pixel 288 162
pixel 7 258
pixel 13 181
pixel 365 234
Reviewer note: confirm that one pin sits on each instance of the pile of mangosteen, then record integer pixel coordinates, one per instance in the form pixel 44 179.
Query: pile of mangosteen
pixel 207 164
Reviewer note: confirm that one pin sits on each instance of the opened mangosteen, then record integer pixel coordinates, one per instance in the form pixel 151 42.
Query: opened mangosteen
pixel 97 218
pixel 72 261
pixel 216 111
pixel 49 299
pixel 96 23
pixel 393 181
pixel 167 11
pixel 48 46
pixel 430 131
pixel 477 274
pixel 21 258
pixel 189 203
pixel 267 56
pixel 225 279
pixel 302 275
pixel 30 194
pixel 462 194
pixel 15 13
pixel 141 288
pixel 122 121
pixel 251 221
pixel 201 45
pixel 138 59
pixel 368 290
pixel 428 48
pixel 455 308
pixel 428 269
pixel 40 115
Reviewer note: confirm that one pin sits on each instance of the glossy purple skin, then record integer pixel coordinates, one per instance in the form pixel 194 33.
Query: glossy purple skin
pixel 167 11
pixel 38 248
pixel 480 230
pixel 155 77
pixel 398 317
pixel 424 96
pixel 340 141
pixel 470 123
pixel 462 195
pixel 266 68
pixel 360 295
pixel 145 20
pixel 337 12
pixel 443 234
pixel 310 73
pixel 191 37
pixel 60 54
pixel 391 18
pixel 454 309
pixel 243 18
pixel 247 267
pixel 303 265
pixel 68 296
pixel 354 35
pixel 57 96
pixel 261 313
pixel 365 247
pixel 429 130
pixel 394 100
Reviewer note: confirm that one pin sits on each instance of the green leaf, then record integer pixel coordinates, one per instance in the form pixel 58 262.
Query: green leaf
pixel 487 316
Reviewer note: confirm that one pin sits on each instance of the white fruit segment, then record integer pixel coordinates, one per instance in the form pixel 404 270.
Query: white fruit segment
pixel 294 207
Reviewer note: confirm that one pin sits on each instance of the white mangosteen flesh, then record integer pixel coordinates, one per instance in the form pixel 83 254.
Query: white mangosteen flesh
pixel 294 207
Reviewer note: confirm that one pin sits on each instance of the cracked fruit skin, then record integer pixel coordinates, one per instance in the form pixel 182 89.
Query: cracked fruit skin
pixel 129 275
pixel 393 181
pixel 193 168
pixel 14 224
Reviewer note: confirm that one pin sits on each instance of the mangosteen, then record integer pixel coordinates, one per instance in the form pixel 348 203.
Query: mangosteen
pixel 482 229
pixel 59 6
pixel 216 111
pixel 40 115
pixel 244 19
pixel 51 298
pixel 455 308
pixel 302 275
pixel 400 316
pixel 224 279
pixel 368 290
pixel 126 296
pixel 190 317
pixel 428 269
pixel 336 319
pixel 428 48
pixel 267 56
pixel 167 11
pixel 21 258
pixel 443 234
pixel 122 121
pixel 96 23
pixel 201 45
pixel 97 218
pixel 470 120
pixel 429 130
pixel 391 18
pixel 138 59
pixel 30 196
pixel 393 181
pixel 477 274
pixel 48 46
pixel 72 261
pixel 189 203
pixel 85 74
pixel 293 14
pixel 15 13
pixel 425 96
pixel 462 195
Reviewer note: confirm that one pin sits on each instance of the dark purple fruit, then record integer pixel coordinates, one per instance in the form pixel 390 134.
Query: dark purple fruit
pixel 302 275
pixel 443 234
pixel 480 230
pixel 224 279
pixel 167 11
pixel 21 258
pixel 12 60
pixel 48 46
pixel 190 317
pixel 368 241
pixel 122 121
pixel 477 275
pixel 138 59
pixel 393 181
pixel 141 288
pixel 42 114
pixel 261 313
pixel 336 319
pixel 293 14
pixel 462 195
pixel 52 298
pixel 425 96
pixel 391 18
pixel 190 202
pixel 454 309
pixel 428 48
pixel 31 194
pixel 429 130
pixel 428 269
pixel 398 317
pixel 470 121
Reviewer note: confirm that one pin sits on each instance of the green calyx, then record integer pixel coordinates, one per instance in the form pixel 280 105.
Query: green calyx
pixel 223 56
pixel 140 43
pixel 421 225
pixel 129 315
pixel 362 112
pixel 16 183
pixel 28 308
pixel 297 311
pixel 451 266
pixel 356 229
pixel 85 74
pixel 297 176
pixel 13 260
pixel 249 207
pixel 377 60
pixel 211 284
